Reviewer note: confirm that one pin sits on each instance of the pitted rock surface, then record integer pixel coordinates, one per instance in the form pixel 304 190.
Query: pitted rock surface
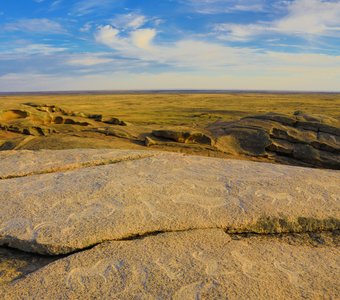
pixel 66 211
pixel 199 264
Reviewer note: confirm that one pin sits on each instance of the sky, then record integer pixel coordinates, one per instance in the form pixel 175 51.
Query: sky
pixel 60 45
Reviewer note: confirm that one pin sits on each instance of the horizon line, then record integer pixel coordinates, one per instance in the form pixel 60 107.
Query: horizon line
pixel 165 91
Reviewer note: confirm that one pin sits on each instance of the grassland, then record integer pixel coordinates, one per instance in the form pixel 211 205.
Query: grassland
pixel 184 109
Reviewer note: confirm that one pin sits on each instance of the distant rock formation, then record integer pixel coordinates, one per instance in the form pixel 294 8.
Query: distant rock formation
pixel 312 140
pixel 43 120
pixel 298 139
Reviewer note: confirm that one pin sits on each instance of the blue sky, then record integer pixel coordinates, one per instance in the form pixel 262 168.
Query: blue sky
pixel 169 44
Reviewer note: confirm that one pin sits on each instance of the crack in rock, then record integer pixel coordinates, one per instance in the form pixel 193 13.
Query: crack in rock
pixel 73 167
pixel 193 264
pixel 16 264
pixel 59 213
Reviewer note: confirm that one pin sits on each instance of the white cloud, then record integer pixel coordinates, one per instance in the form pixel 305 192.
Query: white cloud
pixel 213 58
pixel 84 7
pixel 38 49
pixel 240 32
pixel 304 18
pixel 108 36
pixel 129 21
pixel 139 44
pixel 35 26
pixel 224 6
pixel 86 27
pixel 137 39
pixel 311 17
pixel 142 38
pixel 88 60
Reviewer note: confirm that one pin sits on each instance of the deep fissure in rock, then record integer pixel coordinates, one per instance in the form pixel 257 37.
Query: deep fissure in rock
pixel 34 262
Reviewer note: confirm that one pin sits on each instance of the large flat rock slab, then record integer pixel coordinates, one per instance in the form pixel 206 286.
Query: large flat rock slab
pixel 198 264
pixel 65 211
pixel 24 163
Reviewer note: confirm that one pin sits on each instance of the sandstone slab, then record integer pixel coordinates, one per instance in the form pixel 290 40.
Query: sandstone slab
pixel 198 264
pixel 25 162
pixel 50 210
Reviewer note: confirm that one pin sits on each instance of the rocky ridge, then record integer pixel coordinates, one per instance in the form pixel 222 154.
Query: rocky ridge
pixel 298 139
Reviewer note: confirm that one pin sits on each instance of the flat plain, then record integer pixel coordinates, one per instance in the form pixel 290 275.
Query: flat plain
pixel 184 109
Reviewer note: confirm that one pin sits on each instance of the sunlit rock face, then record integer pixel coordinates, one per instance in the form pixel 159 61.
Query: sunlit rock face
pixel 312 140
pixel 199 264
pixel 139 224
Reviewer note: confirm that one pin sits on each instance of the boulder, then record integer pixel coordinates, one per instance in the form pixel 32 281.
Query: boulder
pixel 114 121
pixel 248 141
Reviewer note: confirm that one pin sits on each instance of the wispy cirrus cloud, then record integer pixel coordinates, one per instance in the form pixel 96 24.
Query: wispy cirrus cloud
pixel 224 6
pixel 42 25
pixel 304 18
pixel 85 7
pixel 44 49
pixel 129 21
pixel 88 60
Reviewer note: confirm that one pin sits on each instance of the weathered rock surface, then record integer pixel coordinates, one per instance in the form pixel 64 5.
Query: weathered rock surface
pixel 44 120
pixel 98 200
pixel 186 137
pixel 200 264
pixel 153 225
pixel 24 163
pixel 311 140
pixel 15 264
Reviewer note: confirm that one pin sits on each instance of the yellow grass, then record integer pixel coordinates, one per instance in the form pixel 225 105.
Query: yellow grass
pixel 183 109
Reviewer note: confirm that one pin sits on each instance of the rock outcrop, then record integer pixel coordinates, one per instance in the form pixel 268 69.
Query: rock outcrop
pixel 186 137
pixel 300 138
pixel 139 224
pixel 44 120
